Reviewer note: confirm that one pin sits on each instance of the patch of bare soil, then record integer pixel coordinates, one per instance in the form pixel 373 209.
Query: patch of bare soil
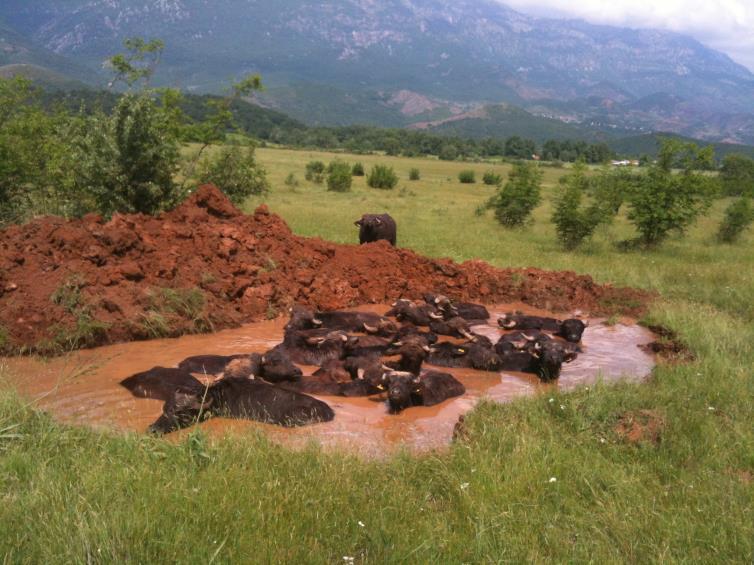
pixel 669 346
pixel 640 426
pixel 204 266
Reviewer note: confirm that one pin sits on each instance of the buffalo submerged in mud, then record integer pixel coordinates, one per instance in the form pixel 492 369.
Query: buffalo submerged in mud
pixel 357 354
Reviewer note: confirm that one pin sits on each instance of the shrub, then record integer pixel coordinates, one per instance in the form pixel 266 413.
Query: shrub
pixel 339 177
pixel 574 222
pixel 127 160
pixel 291 180
pixel 315 171
pixel 467 177
pixel 492 178
pixel 521 194
pixel 664 201
pixel 414 174
pixel 235 171
pixel 737 175
pixel 738 217
pixel 382 176
pixel 448 153
pixel 358 170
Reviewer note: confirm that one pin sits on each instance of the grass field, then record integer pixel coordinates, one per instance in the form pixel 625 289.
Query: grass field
pixel 76 495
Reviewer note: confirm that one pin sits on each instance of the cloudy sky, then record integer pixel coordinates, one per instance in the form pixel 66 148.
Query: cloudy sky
pixel 727 25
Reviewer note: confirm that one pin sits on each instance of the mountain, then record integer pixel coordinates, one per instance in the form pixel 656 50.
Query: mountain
pixel 356 56
pixel 21 56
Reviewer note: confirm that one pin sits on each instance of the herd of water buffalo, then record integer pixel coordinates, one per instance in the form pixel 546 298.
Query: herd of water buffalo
pixel 358 354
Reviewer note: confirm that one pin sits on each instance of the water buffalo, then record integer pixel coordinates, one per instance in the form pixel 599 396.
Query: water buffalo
pixel 207 364
pixel 160 383
pixel 471 355
pixel 303 318
pixel 451 309
pixel 431 388
pixel 418 314
pixel 571 329
pixel 373 227
pixel 241 399
pixel 454 327
pixel 412 355
pixel 314 347
pixel 314 385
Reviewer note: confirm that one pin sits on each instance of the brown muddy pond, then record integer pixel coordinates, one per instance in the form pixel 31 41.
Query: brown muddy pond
pixel 82 387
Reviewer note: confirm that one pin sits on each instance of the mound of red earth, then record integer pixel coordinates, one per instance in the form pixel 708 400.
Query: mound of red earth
pixel 205 265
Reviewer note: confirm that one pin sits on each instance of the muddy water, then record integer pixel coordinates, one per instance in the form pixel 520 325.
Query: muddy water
pixel 82 388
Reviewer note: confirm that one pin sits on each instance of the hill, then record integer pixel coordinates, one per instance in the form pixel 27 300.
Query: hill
pixel 458 51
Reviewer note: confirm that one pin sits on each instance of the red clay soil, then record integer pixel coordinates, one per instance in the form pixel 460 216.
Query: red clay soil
pixel 85 282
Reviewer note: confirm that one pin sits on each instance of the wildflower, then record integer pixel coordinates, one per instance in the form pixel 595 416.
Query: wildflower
pixel 361 524
pixel 553 480
pixel 347 559
pixel 562 406
pixel 551 400
pixel 711 408
pixel 464 486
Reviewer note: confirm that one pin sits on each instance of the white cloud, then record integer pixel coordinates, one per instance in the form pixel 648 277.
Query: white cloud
pixel 726 25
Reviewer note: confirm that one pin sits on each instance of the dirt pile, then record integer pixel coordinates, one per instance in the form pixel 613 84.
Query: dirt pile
pixel 205 265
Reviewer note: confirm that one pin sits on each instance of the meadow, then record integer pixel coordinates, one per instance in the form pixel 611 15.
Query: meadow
pixel 540 479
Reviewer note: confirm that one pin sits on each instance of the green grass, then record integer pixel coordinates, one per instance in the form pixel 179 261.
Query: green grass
pixel 77 495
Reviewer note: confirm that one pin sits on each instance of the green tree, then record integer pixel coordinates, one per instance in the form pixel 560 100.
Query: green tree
pixel 235 171
pixel 519 196
pixel 737 175
pixel 382 176
pixel 738 218
pixel 573 221
pixel 339 176
pixel 315 172
pixel 664 201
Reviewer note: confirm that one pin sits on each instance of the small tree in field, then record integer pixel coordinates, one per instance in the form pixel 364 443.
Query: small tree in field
pixel 467 177
pixel 339 177
pixel 664 201
pixel 358 170
pixel 382 176
pixel 236 172
pixel 414 174
pixel 315 171
pixel 738 217
pixel 573 222
pixel 492 178
pixel 521 194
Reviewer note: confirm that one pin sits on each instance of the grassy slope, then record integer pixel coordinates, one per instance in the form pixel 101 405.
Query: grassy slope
pixel 78 495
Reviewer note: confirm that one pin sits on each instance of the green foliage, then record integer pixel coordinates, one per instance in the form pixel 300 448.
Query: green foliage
pixel 574 222
pixel 467 177
pixel 138 63
pixel 86 330
pixel 665 201
pixel 738 218
pixel 515 201
pixel 519 148
pixel 235 170
pixel 382 176
pixel 126 161
pixel 492 178
pixel 737 175
pixel 170 311
pixel 291 180
pixel 414 174
pixel 339 176
pixel 315 171
pixel 448 152
pixel 358 170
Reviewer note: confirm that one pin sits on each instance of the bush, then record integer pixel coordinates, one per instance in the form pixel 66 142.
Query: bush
pixel 127 160
pixel 235 171
pixel 521 194
pixel 737 175
pixel 664 201
pixel 492 178
pixel 339 177
pixel 738 217
pixel 574 222
pixel 414 174
pixel 315 171
pixel 467 177
pixel 358 170
pixel 382 176
pixel 448 153
pixel 291 180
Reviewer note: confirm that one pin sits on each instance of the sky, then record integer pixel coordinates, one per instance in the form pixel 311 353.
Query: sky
pixel 725 25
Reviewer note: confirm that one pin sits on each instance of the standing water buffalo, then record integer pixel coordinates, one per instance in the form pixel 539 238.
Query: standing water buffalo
pixel 373 227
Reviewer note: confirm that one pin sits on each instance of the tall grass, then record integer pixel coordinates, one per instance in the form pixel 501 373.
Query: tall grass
pixel 78 495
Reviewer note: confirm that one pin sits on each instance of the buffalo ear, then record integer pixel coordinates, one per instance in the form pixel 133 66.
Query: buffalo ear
pixel 358 223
